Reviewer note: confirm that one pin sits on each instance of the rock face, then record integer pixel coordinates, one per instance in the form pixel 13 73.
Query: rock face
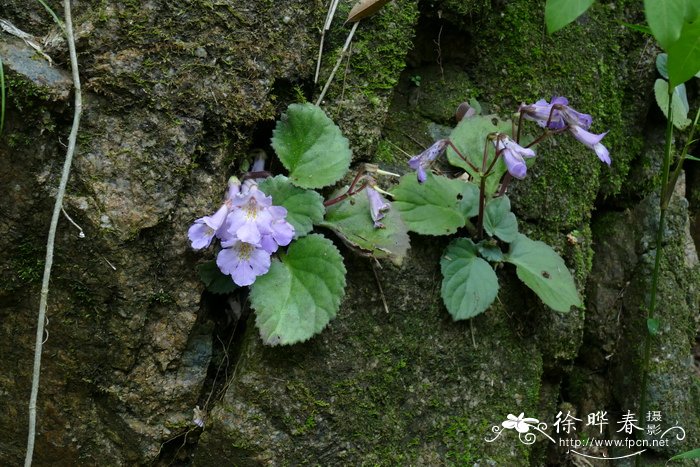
pixel 175 96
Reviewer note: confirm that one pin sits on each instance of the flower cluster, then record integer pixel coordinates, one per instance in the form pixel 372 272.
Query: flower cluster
pixel 557 115
pixel 250 229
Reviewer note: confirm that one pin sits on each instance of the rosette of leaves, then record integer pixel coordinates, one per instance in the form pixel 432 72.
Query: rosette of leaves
pixel 304 287
pixel 445 206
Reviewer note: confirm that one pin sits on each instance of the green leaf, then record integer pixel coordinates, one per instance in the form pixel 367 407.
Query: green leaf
pixel 559 13
pixel 543 270
pixel 489 250
pixel 469 284
pixel 301 293
pixel 216 281
pixel 661 64
pixel 304 207
pixel 469 137
pixel 692 158
pixel 684 54
pixel 665 18
pixel 351 220
pixel 653 326
pixel 678 111
pixel 311 147
pixel 499 221
pixel 694 454
pixel 439 206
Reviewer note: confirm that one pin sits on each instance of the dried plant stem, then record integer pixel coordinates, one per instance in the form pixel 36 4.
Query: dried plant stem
pixel 52 234
pixel 326 26
pixel 337 64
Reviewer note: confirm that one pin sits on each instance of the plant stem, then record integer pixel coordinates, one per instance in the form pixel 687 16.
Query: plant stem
pixel 41 319
pixel 665 188
pixel 679 164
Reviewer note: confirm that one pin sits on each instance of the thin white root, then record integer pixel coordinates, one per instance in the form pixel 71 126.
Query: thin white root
pixel 337 64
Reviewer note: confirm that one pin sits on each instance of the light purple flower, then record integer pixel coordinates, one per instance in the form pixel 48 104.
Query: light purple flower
pixel 250 216
pixel 592 141
pixel 423 160
pixel 279 232
pixel 541 110
pixel 573 117
pixel 378 206
pixel 243 262
pixel 203 230
pixel 513 156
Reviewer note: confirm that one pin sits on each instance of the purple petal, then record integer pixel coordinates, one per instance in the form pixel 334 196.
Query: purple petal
pixel 269 244
pixel 589 139
pixel 234 188
pixel 216 220
pixel 249 233
pixel 414 162
pixel 227 260
pixel 277 212
pixel 515 164
pixel 200 234
pixel 573 117
pixel 282 231
pixel 259 261
pixel 602 153
pixel 377 206
pixel 560 100
pixel 422 175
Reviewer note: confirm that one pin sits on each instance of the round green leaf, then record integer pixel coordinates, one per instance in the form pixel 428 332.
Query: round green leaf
pixel 311 147
pixel 351 220
pixel 678 110
pixel 439 206
pixel 304 207
pixel 559 13
pixel 684 54
pixel 469 284
pixel 499 221
pixel 301 293
pixel 543 270
pixel 665 18
pixel 489 250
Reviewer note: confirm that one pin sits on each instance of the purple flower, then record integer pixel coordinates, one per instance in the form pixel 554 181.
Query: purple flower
pixel 378 206
pixel 592 141
pixel 561 114
pixel 250 216
pixel 243 262
pixel 513 155
pixel 541 110
pixel 279 232
pixel 202 231
pixel 205 228
pixel 422 161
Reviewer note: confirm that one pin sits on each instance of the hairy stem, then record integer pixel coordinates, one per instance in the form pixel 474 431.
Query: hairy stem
pixel 665 188
pixel 41 319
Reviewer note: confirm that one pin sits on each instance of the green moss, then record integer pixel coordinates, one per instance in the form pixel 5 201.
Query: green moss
pixel 359 95
pixel 519 63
